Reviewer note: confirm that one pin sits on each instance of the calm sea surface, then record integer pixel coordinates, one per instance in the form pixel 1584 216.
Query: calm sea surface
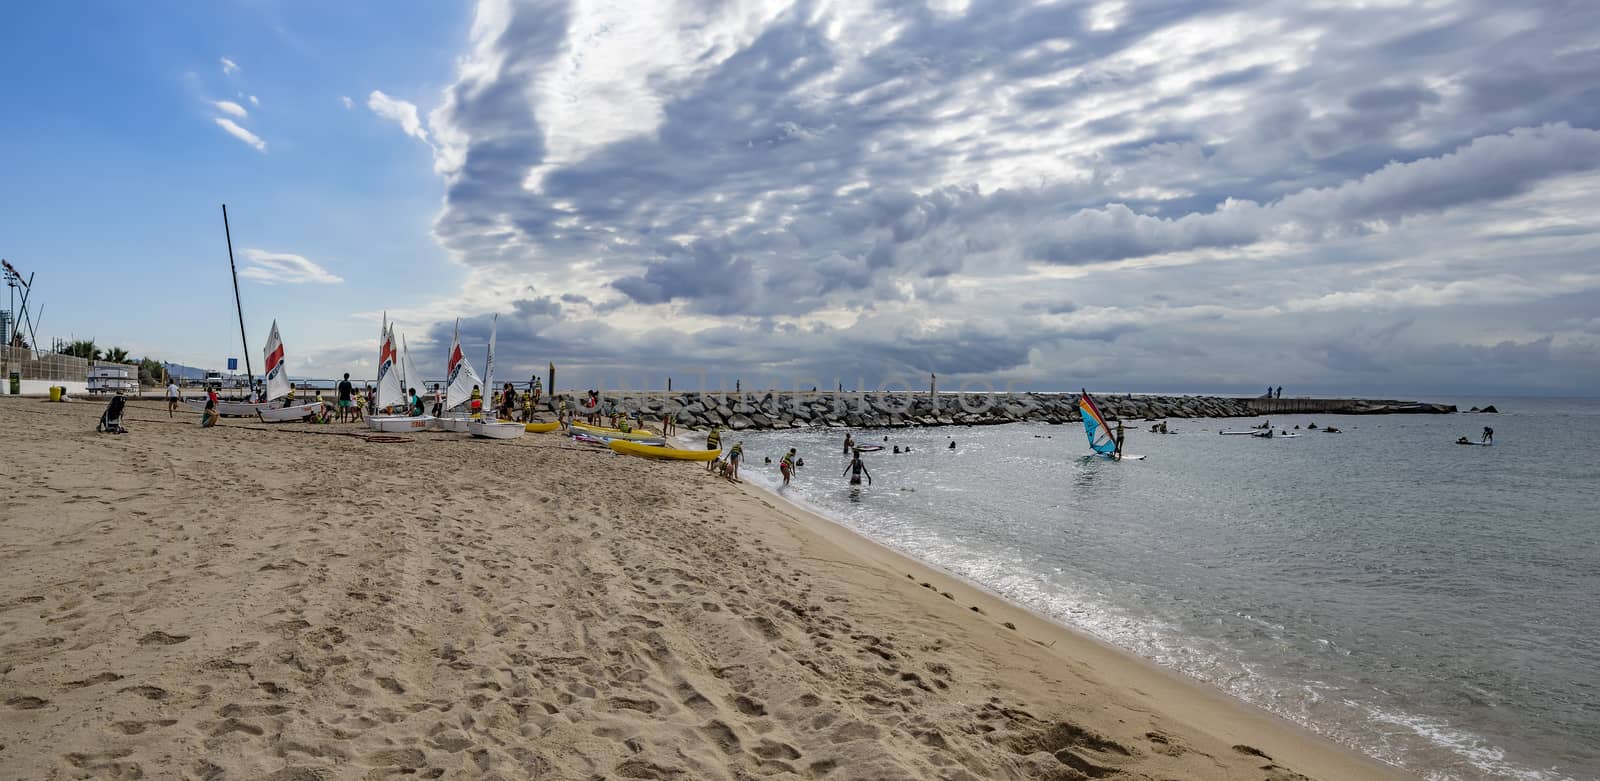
pixel 1433 605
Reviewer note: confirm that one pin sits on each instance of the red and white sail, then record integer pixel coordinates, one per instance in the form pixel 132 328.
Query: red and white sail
pixel 389 392
pixel 458 371
pixel 277 376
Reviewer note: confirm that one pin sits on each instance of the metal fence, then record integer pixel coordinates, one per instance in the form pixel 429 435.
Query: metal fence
pixel 42 366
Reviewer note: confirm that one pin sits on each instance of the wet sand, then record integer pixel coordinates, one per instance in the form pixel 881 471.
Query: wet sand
pixel 288 602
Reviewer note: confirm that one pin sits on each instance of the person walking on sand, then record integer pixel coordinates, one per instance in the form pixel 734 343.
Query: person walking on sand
pixel 174 395
pixel 714 439
pixel 856 468
pixel 786 466
pixel 347 393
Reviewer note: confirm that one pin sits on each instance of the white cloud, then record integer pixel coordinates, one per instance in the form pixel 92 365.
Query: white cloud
pixel 230 107
pixel 229 67
pixel 275 267
pixel 241 134
pixel 403 112
pixel 254 101
pixel 348 103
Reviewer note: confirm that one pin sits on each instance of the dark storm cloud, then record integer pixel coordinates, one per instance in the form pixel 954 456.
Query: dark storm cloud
pixel 886 187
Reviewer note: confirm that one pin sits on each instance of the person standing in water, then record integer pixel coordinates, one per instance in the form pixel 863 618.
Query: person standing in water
pixel 1488 436
pixel 734 457
pixel 849 444
pixel 786 466
pixel 856 469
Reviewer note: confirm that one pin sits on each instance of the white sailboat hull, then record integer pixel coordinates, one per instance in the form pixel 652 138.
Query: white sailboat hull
pixel 456 423
pixel 494 429
pixel 400 424
pixel 286 414
pixel 230 409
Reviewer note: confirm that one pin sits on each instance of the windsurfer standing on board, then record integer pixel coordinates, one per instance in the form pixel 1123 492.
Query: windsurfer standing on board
pixel 1116 455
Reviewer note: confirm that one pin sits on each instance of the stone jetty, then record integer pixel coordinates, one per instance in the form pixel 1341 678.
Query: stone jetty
pixel 758 410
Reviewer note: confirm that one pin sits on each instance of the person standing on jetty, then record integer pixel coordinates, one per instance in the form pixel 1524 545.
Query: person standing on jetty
pixel 856 468
pixel 347 394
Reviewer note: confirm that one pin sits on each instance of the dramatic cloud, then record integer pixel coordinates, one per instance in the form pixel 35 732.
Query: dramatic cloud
pixel 275 267
pixel 240 133
pixel 398 111
pixel 230 107
pixel 1146 194
pixel 229 67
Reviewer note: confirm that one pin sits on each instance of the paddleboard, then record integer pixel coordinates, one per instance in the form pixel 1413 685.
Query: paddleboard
pixel 869 448
pixel 1239 433
pixel 1479 444
pixel 673 453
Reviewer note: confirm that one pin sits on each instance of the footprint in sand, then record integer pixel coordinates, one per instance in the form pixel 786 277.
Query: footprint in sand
pixel 27 703
pixel 162 638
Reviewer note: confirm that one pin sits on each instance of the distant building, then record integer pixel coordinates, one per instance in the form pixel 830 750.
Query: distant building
pixel 106 377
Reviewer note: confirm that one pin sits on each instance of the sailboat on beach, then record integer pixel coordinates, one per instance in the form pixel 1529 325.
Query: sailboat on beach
pixel 1102 438
pixel 391 396
pixel 278 385
pixel 486 426
pixel 460 379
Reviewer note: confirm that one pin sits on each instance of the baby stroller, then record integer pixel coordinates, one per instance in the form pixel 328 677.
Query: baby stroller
pixel 111 419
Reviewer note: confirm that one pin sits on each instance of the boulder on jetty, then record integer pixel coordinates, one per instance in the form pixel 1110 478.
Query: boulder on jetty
pixel 761 410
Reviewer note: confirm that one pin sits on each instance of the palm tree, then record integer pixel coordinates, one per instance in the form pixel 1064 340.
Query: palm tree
pixel 116 355
pixel 83 348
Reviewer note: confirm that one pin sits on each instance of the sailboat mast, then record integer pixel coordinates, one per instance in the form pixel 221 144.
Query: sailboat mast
pixel 248 371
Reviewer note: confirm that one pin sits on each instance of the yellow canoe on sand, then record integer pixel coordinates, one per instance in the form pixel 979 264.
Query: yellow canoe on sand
pixel 616 433
pixel 540 428
pixel 673 453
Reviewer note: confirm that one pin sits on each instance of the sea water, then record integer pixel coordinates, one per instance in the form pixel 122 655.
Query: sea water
pixel 1433 605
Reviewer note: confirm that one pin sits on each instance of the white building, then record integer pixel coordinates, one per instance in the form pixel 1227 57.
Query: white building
pixel 113 378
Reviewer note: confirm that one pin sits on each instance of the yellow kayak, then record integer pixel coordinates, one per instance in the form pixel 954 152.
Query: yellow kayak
pixel 617 433
pixel 651 451
pixel 540 428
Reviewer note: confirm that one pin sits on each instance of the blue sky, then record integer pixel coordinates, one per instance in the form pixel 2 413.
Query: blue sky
pixel 1384 197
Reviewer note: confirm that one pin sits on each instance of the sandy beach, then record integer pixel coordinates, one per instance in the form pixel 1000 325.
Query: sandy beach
pixel 289 602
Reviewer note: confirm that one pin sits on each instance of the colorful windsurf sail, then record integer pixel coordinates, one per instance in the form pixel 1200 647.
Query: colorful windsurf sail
pixel 1102 438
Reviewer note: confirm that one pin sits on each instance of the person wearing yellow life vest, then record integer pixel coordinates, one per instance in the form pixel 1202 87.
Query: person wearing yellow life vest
pixel 476 402
pixel 734 457
pixel 714 439
pixel 288 400
pixel 786 465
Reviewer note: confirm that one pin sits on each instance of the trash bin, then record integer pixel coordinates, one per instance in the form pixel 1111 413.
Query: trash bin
pixel 56 392
pixel 16 384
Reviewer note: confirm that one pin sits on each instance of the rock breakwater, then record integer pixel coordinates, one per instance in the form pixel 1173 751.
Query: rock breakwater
pixel 789 409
